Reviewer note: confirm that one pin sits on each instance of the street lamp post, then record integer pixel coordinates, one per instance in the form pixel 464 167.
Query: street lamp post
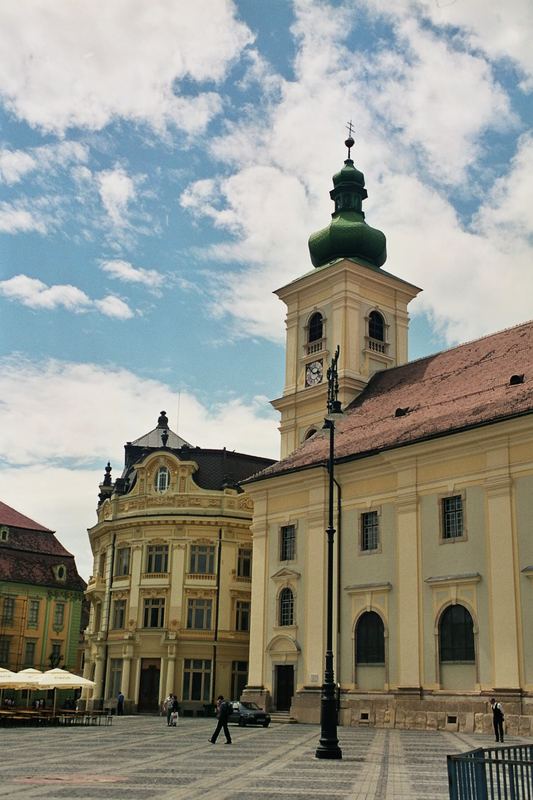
pixel 329 744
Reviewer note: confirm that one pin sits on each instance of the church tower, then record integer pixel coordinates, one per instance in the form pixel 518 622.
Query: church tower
pixel 347 300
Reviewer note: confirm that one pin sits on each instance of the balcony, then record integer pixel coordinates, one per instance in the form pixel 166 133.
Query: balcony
pixel 314 347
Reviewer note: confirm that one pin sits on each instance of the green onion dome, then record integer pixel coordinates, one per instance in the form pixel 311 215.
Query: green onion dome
pixel 348 235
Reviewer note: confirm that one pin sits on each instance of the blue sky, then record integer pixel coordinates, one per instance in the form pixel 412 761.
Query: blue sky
pixel 161 168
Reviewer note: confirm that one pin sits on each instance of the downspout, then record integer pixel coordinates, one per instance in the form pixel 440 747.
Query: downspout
pixel 215 640
pixel 110 581
pixel 339 576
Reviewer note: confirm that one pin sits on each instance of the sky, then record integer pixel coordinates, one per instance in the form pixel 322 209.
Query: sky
pixel 162 165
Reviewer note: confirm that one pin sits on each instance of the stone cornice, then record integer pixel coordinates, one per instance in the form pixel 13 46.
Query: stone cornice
pixel 448 580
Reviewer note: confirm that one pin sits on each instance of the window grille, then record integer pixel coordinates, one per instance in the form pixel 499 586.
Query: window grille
pixel 286 607
pixel 452 517
pixel 369 530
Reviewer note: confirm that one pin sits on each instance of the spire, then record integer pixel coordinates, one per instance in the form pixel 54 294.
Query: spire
pixel 348 235
pixel 106 487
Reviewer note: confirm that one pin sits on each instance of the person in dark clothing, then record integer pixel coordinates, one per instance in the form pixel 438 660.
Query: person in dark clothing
pixel 120 704
pixel 223 712
pixel 497 719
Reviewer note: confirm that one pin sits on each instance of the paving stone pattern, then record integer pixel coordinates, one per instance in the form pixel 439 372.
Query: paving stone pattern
pixel 141 757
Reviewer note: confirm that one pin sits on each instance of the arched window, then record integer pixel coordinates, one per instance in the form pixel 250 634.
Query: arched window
pixel 456 635
pixel 162 479
pixel 310 432
pixel 286 607
pixel 376 326
pixel 315 327
pixel 370 639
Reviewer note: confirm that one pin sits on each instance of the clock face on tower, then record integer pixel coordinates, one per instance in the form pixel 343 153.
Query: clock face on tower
pixel 313 373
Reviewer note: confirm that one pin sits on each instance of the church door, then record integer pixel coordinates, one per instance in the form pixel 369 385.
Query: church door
pixel 149 685
pixel 284 686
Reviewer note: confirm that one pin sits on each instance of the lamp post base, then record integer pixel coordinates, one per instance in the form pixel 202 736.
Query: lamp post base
pixel 328 751
pixel 328 746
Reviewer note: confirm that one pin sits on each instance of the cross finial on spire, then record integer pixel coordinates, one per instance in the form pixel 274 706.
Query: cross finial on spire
pixel 350 140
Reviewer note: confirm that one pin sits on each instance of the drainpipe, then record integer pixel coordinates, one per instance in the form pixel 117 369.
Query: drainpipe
pixel 339 577
pixel 215 639
pixel 108 620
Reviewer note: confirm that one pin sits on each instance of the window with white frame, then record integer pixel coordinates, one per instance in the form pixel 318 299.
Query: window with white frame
pixel 157 558
pixel 199 613
pixel 33 613
pixel 287 543
pixel 202 559
pixel 369 530
pixel 8 611
pixel 286 607
pixel 118 620
pixel 452 517
pixel 154 612
pixel 244 562
pixel 123 561
pixel 59 615
pixel 162 479
pixel 242 615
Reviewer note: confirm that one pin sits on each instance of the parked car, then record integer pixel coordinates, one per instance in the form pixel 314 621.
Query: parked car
pixel 248 714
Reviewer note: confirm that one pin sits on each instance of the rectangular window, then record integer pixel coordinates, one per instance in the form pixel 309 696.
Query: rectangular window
pixel 119 614
pixel 55 656
pixel 197 679
pixel 244 563
pixel 199 614
pixel 59 615
pixel 452 517
pixel 115 677
pixel 239 678
pixel 157 558
pixel 33 613
pixel 29 653
pixel 123 561
pixel 154 612
pixel 287 543
pixel 202 560
pixel 8 611
pixel 242 622
pixel 5 642
pixel 369 530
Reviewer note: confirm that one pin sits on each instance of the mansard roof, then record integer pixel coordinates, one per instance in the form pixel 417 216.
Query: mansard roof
pixel 478 383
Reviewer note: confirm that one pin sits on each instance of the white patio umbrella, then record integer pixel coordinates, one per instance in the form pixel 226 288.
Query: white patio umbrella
pixel 62 679
pixel 26 679
pixel 6 681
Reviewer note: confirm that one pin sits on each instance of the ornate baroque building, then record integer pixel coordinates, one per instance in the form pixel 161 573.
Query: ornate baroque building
pixel 170 591
pixel 41 596
pixel 433 601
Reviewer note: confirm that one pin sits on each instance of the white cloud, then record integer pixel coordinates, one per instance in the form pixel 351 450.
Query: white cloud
pixel 77 65
pixel 112 306
pixel 18 218
pixel 116 190
pixel 65 444
pixel 124 271
pixel 33 293
pixel 422 109
pixel 14 164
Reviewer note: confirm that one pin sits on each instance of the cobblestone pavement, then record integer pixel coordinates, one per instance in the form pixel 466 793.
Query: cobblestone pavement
pixel 140 757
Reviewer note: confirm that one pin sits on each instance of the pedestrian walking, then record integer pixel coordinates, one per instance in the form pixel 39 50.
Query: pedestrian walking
pixel 120 704
pixel 167 706
pixel 174 711
pixel 224 709
pixel 497 719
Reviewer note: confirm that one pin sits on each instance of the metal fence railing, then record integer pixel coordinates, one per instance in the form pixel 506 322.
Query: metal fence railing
pixel 494 773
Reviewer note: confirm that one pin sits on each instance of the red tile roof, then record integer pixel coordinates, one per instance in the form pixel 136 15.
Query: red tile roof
pixel 31 551
pixel 460 388
pixel 8 516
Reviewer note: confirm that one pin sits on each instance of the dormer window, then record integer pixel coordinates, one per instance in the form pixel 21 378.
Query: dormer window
pixel 4 533
pixel 60 572
pixel 162 479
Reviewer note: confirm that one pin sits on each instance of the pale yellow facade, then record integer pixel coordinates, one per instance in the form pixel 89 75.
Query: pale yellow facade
pixel 170 591
pixel 414 571
pixel 344 293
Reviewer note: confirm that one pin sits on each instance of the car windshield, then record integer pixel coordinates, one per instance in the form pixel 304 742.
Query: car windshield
pixel 251 706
